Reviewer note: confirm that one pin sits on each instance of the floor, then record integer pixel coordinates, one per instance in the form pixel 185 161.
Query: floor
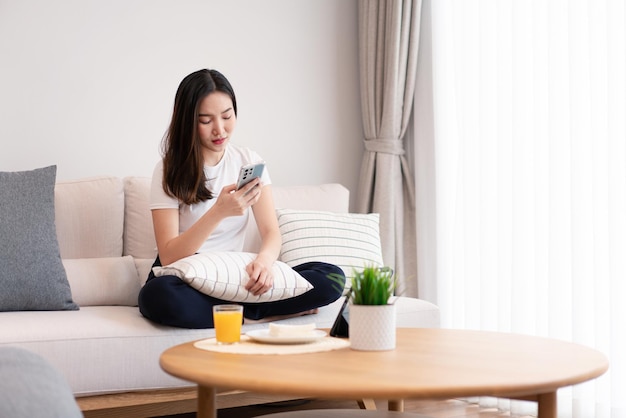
pixel 434 409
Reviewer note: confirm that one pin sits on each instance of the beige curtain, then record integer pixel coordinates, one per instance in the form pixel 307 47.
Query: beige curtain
pixel 388 46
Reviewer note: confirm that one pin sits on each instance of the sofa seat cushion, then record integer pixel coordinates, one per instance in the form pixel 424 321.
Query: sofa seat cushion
pixel 103 349
pixel 107 349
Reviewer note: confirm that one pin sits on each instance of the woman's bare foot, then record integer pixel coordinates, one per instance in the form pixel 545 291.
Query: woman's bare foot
pixel 278 317
pixel 309 312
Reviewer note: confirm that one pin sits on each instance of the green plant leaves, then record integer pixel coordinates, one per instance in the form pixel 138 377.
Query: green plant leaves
pixel 373 286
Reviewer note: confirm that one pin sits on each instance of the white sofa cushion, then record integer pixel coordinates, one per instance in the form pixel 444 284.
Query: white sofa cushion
pixel 103 281
pixel 223 275
pixel 331 197
pixel 139 238
pixel 90 217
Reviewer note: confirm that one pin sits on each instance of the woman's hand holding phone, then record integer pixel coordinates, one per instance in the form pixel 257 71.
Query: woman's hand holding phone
pixel 233 202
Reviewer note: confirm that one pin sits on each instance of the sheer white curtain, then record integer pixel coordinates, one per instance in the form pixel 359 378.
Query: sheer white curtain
pixel 528 178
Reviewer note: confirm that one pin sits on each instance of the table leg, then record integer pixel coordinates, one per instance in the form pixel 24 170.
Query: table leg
pixel 396 405
pixel 207 408
pixel 368 404
pixel 546 405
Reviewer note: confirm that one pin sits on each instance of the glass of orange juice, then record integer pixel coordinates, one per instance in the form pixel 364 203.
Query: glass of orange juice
pixel 227 321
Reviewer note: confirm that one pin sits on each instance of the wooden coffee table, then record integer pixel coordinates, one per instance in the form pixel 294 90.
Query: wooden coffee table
pixel 427 364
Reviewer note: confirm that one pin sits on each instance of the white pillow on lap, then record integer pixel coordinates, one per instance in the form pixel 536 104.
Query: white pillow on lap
pixel 223 275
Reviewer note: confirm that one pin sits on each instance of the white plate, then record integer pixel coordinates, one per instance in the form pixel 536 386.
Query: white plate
pixel 263 335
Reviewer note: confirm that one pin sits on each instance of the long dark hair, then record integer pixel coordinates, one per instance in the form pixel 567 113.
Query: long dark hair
pixel 183 165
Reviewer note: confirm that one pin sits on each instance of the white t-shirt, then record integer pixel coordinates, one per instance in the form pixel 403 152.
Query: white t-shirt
pixel 229 234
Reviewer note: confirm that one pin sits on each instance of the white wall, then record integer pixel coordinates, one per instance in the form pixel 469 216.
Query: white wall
pixel 88 85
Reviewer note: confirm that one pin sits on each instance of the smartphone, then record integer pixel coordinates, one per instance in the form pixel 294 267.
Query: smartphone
pixel 341 326
pixel 249 172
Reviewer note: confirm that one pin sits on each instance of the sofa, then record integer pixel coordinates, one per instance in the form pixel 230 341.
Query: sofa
pixel 107 351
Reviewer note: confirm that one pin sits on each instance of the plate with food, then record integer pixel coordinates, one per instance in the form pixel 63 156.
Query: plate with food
pixel 287 334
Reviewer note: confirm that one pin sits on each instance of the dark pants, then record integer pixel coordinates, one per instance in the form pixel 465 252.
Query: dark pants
pixel 169 301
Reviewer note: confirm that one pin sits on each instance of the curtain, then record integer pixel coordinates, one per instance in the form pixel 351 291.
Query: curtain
pixel 524 158
pixel 388 45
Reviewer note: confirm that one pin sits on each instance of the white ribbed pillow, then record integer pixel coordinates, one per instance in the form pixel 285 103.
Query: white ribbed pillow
pixel 348 240
pixel 223 276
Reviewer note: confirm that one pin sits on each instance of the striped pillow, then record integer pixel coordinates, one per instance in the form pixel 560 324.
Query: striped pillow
pixel 348 240
pixel 222 275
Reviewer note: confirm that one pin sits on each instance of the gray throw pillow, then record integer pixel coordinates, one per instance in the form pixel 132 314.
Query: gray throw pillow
pixel 32 276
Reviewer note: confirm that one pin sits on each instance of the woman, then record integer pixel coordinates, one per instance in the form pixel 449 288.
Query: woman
pixel 196 208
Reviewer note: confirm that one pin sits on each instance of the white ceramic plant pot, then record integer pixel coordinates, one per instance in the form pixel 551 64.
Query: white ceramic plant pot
pixel 372 327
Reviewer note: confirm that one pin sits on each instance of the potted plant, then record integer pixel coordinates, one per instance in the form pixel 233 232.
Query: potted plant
pixel 372 316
